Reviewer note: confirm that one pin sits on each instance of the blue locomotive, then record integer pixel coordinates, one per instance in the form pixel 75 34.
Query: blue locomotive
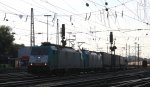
pixel 57 59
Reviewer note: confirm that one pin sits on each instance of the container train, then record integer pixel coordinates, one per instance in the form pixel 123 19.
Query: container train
pixel 57 59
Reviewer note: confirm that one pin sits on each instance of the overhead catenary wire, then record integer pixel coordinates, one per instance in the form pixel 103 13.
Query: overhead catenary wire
pixel 12 8
pixel 42 15
pixel 61 15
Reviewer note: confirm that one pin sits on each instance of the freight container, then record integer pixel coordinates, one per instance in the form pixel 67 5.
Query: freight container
pixel 106 59
pixel 23 55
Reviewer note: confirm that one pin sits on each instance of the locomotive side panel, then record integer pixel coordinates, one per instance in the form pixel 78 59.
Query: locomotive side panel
pixel 99 63
pixel 85 57
pixel 69 58
pixel 121 60
pixel 53 58
pixel 92 60
pixel 76 60
pixel 123 63
pixel 95 60
pixel 62 59
pixel 117 64
pixel 106 59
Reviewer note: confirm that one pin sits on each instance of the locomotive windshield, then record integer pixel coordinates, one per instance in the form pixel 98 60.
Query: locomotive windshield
pixel 39 51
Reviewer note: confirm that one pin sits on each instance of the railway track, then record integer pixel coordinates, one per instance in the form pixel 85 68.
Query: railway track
pixel 15 77
pixel 96 80
pixel 10 79
pixel 27 80
pixel 13 70
pixel 143 82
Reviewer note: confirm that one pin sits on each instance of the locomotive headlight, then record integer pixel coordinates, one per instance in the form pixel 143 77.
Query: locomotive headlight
pixel 31 64
pixel 38 57
pixel 45 64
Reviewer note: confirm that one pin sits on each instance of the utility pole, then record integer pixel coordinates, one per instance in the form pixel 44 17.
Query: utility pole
pixel 32 35
pixel 145 10
pixel 126 50
pixel 129 51
pixel 107 47
pixel 47 25
pixel 135 53
pixel 107 44
pixel 138 55
pixel 69 38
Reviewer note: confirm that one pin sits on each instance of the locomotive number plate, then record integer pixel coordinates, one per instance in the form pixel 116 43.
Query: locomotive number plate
pixel 38 60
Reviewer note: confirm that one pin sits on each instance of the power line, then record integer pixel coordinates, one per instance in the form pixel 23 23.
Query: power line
pixel 47 2
pixel 11 7
pixel 70 6
pixel 79 19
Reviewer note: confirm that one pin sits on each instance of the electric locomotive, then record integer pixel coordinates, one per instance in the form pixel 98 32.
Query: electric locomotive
pixel 54 59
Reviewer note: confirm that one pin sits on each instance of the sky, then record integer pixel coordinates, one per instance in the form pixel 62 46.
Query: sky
pixel 85 21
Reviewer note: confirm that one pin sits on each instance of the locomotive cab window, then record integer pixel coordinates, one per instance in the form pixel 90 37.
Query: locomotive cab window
pixel 39 51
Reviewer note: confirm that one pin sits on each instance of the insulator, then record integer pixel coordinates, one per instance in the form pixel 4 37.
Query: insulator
pixel 106 3
pixel 87 4
pixel 106 9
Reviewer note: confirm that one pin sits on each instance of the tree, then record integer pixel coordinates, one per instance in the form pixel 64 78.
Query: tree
pixel 13 52
pixel 6 39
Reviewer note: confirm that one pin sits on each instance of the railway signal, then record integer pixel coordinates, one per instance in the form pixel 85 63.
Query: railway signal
pixel 63 35
pixel 111 37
